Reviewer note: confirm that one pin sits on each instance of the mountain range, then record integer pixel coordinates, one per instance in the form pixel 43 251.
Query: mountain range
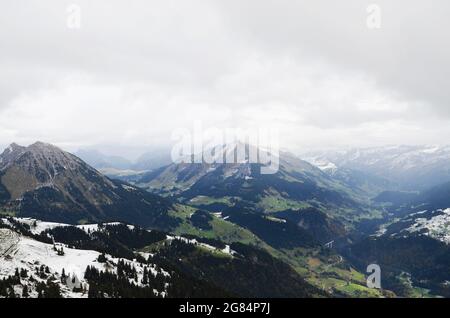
pixel 117 166
pixel 322 224
pixel 397 167
pixel 48 184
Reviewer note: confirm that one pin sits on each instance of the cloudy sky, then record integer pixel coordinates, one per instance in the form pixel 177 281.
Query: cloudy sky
pixel 134 71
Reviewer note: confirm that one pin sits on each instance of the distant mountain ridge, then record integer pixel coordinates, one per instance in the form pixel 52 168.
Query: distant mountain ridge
pixel 99 160
pixel 119 166
pixel 405 167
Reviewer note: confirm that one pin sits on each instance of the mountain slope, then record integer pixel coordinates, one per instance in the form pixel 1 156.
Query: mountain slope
pixel 45 182
pixel 427 213
pixel 138 263
pixel 296 184
pixel 414 239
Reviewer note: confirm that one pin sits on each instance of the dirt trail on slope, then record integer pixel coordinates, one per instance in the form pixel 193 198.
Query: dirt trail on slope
pixel 8 242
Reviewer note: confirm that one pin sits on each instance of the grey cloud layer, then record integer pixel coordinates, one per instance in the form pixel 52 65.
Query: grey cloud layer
pixel 307 67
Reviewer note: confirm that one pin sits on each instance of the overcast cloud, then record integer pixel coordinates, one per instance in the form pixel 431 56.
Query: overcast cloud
pixel 136 70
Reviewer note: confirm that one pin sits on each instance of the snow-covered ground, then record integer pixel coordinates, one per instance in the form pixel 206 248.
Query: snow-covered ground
pixel 227 250
pixel 95 227
pixel 26 253
pixel 437 227
pixel 322 163
pixel 17 251
pixel 37 226
pixel 21 252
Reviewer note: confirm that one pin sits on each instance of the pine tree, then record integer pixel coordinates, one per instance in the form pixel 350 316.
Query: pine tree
pixel 101 258
pixel 63 276
pixel 23 273
pixel 11 293
pixel 25 291
pixel 145 278
pixel 61 252
pixel 40 294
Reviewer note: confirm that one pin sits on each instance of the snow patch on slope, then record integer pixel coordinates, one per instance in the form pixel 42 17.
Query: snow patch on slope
pixel 437 227
pixel 227 250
